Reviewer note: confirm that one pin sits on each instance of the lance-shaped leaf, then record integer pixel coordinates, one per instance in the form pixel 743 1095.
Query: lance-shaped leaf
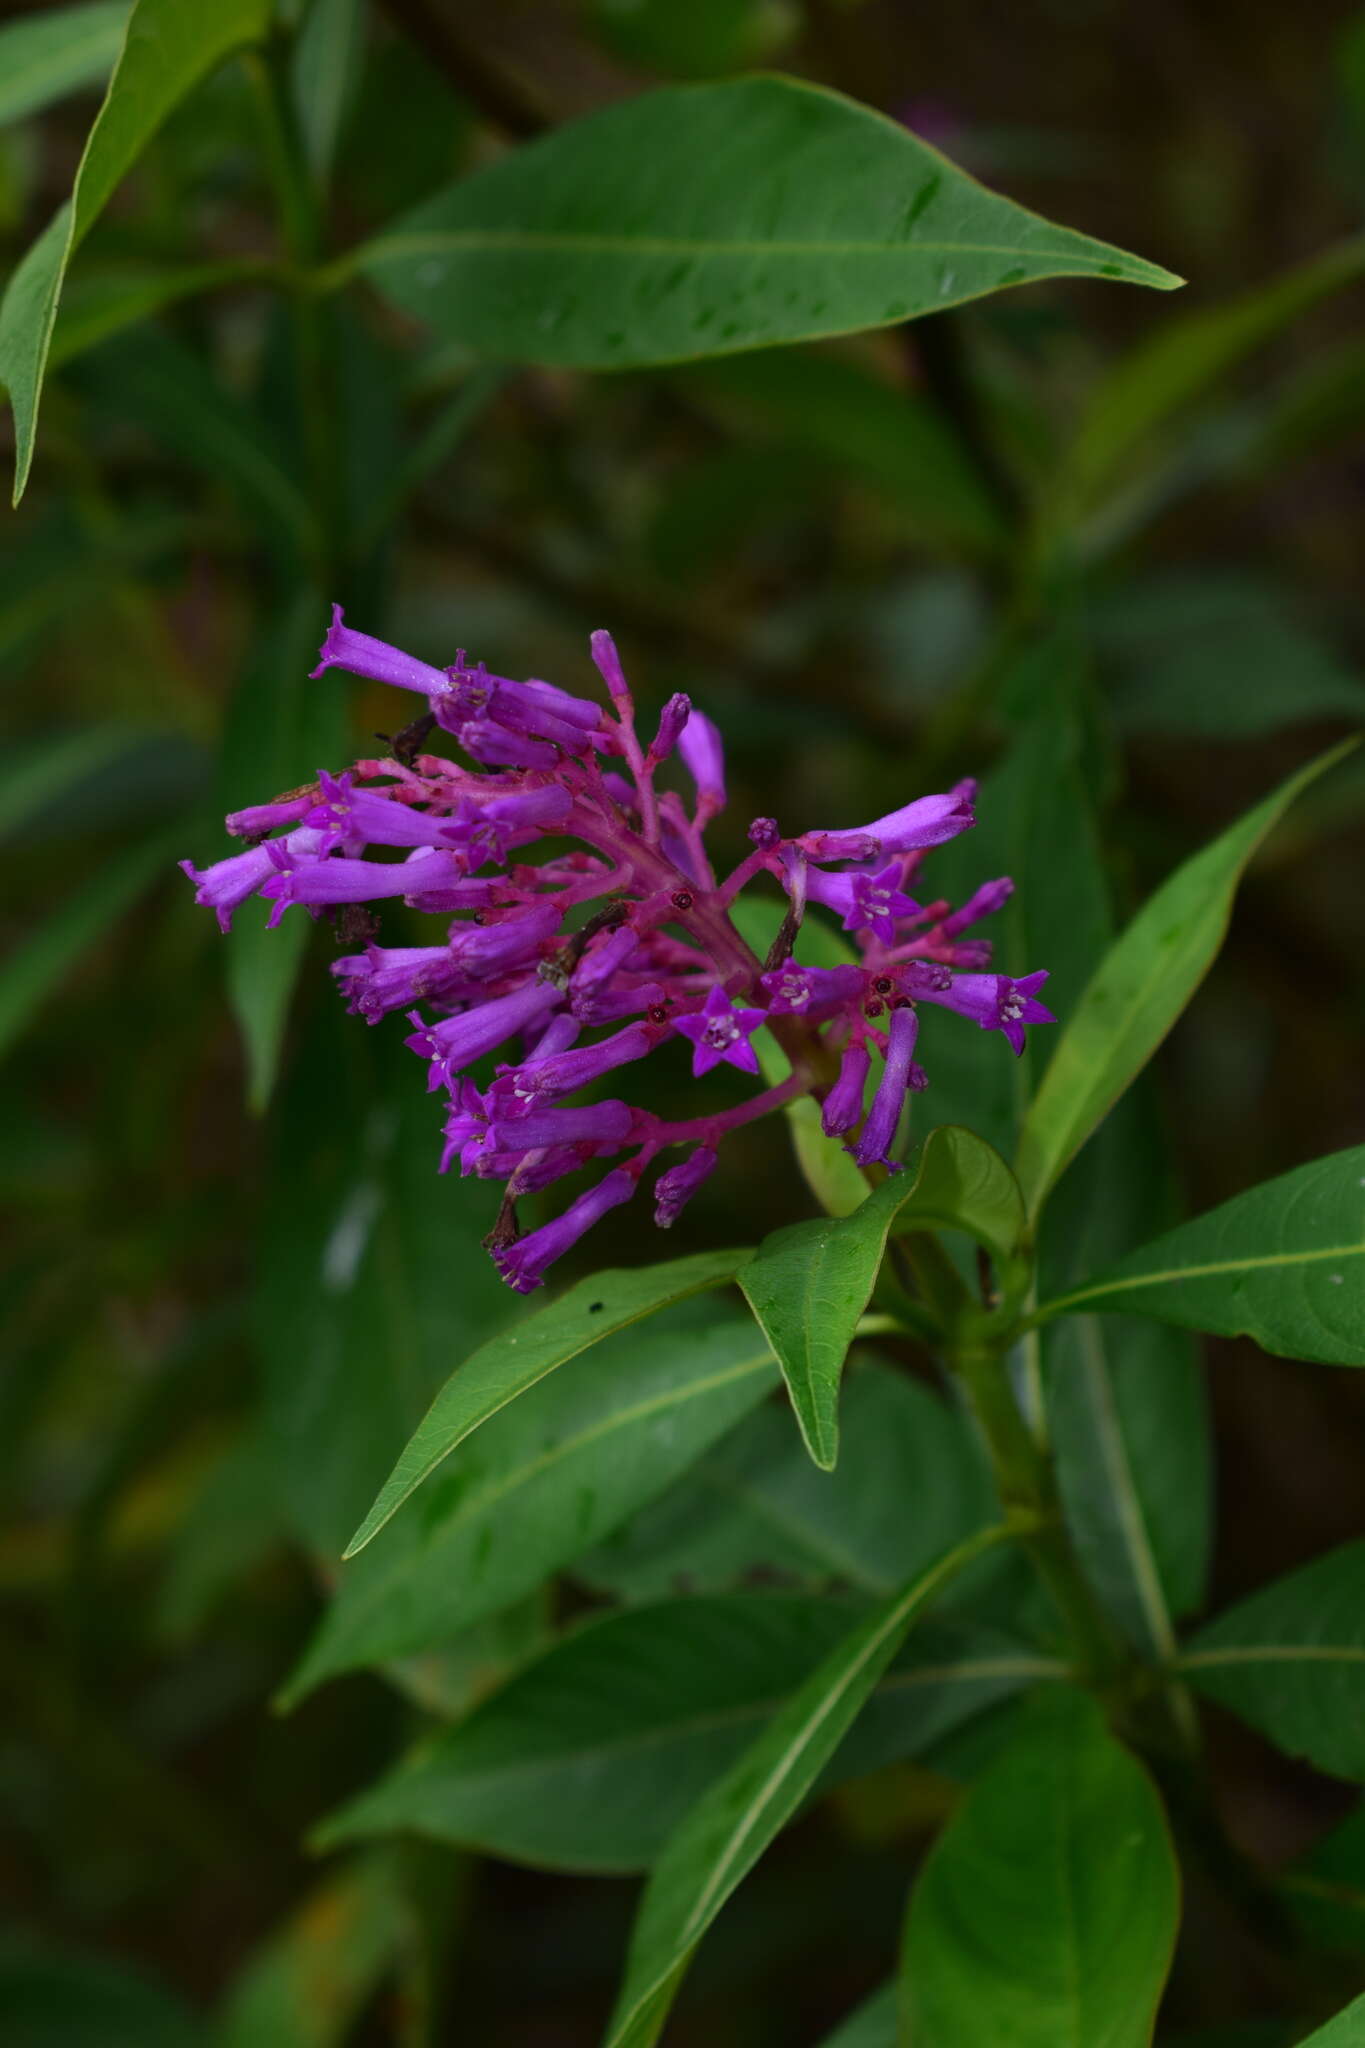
pixel 306 1984
pixel 1140 988
pixel 873 2025
pixel 1325 1890
pixel 1347 2030
pixel 699 220
pixel 732 1824
pixel 1047 1910
pixel 1283 1263
pixel 515 1359
pixel 168 48
pixel 548 1479
pixel 1291 1660
pixel 45 56
pixel 588 1758
pixel 808 1283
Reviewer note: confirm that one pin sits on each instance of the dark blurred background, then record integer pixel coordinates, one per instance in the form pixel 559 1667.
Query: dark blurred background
pixel 755 535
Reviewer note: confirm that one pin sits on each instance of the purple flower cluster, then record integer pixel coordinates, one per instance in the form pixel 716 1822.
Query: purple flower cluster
pixel 615 940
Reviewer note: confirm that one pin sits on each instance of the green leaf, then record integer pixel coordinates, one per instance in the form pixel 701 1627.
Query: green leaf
pixel 700 220
pixel 45 56
pixel 756 1511
pixel 1047 1910
pixel 96 308
pixel 324 70
pixel 369 1270
pixel 1140 988
pixel 39 965
pixel 60 1997
pixel 1187 356
pixel 513 1361
pixel 1280 1263
pixel 167 50
pixel 308 1984
pixel 544 1481
pixel 1347 2030
pixel 873 2025
pixel 1325 1890
pixel 40 774
pixel 588 1758
pixel 1291 1660
pixel 889 437
pixel 809 1283
pixel 726 1832
pixel 1220 656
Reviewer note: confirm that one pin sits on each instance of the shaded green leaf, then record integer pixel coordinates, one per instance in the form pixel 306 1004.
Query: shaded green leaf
pixel 1280 1263
pixel 308 1984
pixel 698 41
pixel 96 308
pixel 1149 387
pixel 840 411
pixel 324 70
pixel 45 56
pixel 168 48
pixel 40 773
pixel 809 1283
pixel 545 1480
pixel 729 1828
pixel 873 2025
pixel 1347 2030
pixel 369 1270
pixel 510 1363
pixel 702 220
pixel 1140 988
pixel 53 1997
pixel 1325 1890
pixel 1291 1660
pixel 1047 1910
pixel 38 966
pixel 1220 656
pixel 756 1511
pixel 588 1758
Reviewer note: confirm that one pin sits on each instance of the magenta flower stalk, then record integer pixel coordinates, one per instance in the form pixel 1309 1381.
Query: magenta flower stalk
pixel 553 970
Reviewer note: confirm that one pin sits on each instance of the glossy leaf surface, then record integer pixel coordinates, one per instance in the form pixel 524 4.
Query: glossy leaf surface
pixel 1291 1660
pixel 513 1361
pixel 1283 1263
pixel 549 1478
pixel 1047 1910
pixel 808 1283
pixel 1140 989
pixel 700 220
pixel 724 1835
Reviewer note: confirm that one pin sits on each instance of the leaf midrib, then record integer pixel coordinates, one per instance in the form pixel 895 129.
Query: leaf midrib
pixel 1210 1270
pixel 433 241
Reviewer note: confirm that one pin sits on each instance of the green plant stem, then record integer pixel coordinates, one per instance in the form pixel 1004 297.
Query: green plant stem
pixel 1027 1487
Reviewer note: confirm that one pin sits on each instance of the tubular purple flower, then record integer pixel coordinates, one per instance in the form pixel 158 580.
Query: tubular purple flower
pixel 321 882
pixel 898 1075
pixel 674 1190
pixel 996 1003
pixel 363 817
pixel 703 755
pixel 493 746
pixel 259 819
pixel 812 992
pixel 585 1123
pixel 601 959
pixel 457 1042
pixel 559 1034
pixel 929 821
pixel 225 886
pixel 492 949
pixel 989 898
pixel 365 656
pixel 842 1108
pixel 385 978
pixel 672 724
pixel 720 1031
pixel 608 665
pixel 541 1081
pixel 864 902
pixel 523 1265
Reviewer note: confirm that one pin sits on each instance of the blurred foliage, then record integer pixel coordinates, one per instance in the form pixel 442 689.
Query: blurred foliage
pixel 1102 547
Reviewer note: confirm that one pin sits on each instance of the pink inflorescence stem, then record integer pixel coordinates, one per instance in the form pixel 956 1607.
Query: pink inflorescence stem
pixel 612 945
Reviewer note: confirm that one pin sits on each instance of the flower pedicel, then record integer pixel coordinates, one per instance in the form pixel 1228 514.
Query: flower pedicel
pixel 598 954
